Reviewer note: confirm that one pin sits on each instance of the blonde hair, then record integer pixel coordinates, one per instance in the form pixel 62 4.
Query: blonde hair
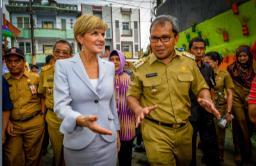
pixel 87 23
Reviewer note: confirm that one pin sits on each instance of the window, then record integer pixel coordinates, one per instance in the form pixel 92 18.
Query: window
pixel 71 23
pixel 21 46
pixel 63 24
pixel 19 22
pixel 118 46
pixel 97 14
pixel 117 24
pixel 25 46
pixel 23 22
pixel 126 48
pixel 136 48
pixel 28 47
pixel 47 24
pixel 108 33
pixel 26 22
pixel 47 49
pixel 126 26
pixel 135 25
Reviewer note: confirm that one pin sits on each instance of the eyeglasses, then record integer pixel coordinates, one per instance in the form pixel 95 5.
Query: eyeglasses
pixel 61 52
pixel 163 39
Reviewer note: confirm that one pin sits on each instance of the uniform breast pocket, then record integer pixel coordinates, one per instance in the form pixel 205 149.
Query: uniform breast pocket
pixel 152 87
pixel 184 81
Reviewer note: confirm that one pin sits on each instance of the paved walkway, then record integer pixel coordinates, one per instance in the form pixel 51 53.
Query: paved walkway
pixel 140 159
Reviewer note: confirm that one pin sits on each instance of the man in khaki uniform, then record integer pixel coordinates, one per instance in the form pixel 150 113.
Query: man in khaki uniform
pixel 160 83
pixel 26 125
pixel 61 50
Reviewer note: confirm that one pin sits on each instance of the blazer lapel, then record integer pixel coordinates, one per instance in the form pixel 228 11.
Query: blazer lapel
pixel 102 70
pixel 79 70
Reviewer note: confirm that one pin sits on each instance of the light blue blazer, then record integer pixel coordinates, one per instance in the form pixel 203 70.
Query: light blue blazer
pixel 74 95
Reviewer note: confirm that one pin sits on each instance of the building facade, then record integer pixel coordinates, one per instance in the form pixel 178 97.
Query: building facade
pixel 52 21
pixel 123 28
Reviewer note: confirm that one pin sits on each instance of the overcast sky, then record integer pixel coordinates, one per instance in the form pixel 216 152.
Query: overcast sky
pixel 144 6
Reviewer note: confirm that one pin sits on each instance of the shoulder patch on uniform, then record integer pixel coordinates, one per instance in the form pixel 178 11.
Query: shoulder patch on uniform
pixel 138 63
pixel 187 54
pixel 7 76
pixel 47 67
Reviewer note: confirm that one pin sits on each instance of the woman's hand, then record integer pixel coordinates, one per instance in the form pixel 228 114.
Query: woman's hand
pixel 90 122
pixel 229 116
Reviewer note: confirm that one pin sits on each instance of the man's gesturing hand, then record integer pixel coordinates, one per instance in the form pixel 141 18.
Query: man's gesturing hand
pixel 209 106
pixel 140 115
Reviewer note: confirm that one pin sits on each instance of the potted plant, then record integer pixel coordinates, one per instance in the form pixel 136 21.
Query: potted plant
pixel 224 33
pixel 244 22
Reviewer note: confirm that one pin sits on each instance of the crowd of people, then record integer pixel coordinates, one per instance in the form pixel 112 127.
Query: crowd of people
pixel 89 107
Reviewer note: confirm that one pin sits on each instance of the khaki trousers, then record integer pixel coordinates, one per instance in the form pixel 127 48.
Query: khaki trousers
pixel 56 138
pixel 25 148
pixel 167 146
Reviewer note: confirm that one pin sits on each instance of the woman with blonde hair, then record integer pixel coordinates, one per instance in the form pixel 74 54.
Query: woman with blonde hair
pixel 84 99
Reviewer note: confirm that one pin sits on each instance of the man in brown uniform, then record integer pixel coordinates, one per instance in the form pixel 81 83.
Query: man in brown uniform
pixel 26 125
pixel 161 82
pixel 61 50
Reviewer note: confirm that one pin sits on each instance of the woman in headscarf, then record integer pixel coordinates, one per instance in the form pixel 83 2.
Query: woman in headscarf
pixel 126 116
pixel 242 74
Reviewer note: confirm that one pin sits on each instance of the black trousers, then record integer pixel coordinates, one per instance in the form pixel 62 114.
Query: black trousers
pixel 125 153
pixel 207 132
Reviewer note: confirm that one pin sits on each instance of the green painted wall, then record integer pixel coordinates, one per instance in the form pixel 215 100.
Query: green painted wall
pixel 231 23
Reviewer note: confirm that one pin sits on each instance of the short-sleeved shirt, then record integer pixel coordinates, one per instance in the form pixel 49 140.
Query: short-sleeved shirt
pixel 7 103
pixel 223 82
pixel 46 85
pixel 252 94
pixel 23 93
pixel 166 85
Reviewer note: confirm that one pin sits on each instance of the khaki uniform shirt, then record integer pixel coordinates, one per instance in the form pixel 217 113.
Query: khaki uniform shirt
pixel 168 86
pixel 23 93
pixel 46 85
pixel 223 82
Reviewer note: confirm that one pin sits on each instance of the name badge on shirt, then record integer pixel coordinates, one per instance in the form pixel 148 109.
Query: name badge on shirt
pixel 49 90
pixel 32 88
pixel 151 75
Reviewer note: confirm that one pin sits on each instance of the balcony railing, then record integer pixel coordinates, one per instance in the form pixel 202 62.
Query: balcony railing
pixel 18 6
pixel 47 33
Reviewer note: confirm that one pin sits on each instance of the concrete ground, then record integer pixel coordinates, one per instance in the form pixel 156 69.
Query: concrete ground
pixel 140 159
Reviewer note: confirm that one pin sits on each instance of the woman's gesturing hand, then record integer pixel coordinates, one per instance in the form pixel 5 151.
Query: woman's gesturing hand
pixel 90 122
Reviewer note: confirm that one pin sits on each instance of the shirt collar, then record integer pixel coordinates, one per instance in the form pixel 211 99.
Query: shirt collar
pixel 8 75
pixel 153 58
